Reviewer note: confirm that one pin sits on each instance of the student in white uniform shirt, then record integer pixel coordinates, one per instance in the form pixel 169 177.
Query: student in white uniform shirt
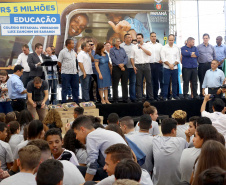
pixel 144 141
pixel 15 137
pixel 167 150
pixel 85 60
pixel 156 65
pixel 72 175
pixel 54 139
pixel 6 156
pixel 29 158
pixel 180 116
pixel 170 55
pixel 152 111
pixel 217 117
pixel 191 130
pixel 22 60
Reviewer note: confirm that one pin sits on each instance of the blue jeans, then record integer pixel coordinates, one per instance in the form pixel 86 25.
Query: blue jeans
pixel 132 83
pixel 73 81
pixel 85 84
pixel 5 107
pixel 174 75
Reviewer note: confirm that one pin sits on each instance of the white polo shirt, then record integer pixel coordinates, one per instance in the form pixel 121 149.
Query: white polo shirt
pixel 170 54
pixel 218 120
pixel 85 59
pixel 22 60
pixel 155 52
pixel 140 57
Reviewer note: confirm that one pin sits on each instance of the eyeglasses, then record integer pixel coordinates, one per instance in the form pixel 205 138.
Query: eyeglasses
pixel 91 44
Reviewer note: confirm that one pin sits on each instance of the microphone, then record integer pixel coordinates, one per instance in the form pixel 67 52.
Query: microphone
pixel 138 44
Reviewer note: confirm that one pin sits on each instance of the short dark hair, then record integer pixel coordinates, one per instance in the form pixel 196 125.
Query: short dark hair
pixel 167 125
pixel 53 131
pixel 128 169
pixel 145 122
pixel 83 45
pixel 134 40
pixel 68 41
pixel 79 110
pixel 128 121
pixel 194 119
pixel 126 35
pixel 38 45
pixel 2 126
pixel 25 46
pixel 212 176
pixel 206 34
pixel 119 152
pixel 190 38
pixel 140 35
pixel 35 127
pixel 152 33
pixel 13 126
pixel 37 79
pixel 84 121
pixel 218 104
pixel 17 68
pixel 41 144
pixel 207 132
pixel 50 172
pixel 113 118
pixel 203 120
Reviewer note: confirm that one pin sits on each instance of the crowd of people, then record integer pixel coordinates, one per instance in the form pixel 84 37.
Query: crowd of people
pixel 120 153
pixel 138 65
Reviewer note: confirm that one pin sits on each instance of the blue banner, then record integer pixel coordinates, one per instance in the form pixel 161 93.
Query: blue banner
pixel 34 18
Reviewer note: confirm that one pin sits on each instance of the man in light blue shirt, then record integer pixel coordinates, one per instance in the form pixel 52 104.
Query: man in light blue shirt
pixel 17 92
pixel 220 50
pixel 213 79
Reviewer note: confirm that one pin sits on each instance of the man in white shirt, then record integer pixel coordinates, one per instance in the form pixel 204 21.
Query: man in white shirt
pixel 29 158
pixel 156 65
pixel 141 64
pixel 85 59
pixel 217 117
pixel 22 60
pixel 67 63
pixel 167 150
pixel 170 55
pixel 127 45
pixel 107 47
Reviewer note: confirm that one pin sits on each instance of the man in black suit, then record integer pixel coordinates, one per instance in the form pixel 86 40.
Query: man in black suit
pixel 35 60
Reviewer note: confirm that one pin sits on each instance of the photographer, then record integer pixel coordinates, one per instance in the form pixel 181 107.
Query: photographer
pixel 37 91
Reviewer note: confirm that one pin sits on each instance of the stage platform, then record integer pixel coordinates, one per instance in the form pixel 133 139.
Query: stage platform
pixel 192 107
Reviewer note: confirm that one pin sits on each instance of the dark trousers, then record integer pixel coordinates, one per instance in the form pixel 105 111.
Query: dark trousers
pixel 157 77
pixel 91 92
pixel 132 83
pixel 203 67
pixel 174 75
pixel 73 81
pixel 25 78
pixel 190 74
pixel 213 91
pixel 143 70
pixel 18 104
pixel 117 74
pixel 85 84
pixel 53 88
pixel 5 107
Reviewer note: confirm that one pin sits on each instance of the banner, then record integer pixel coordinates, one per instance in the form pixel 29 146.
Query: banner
pixel 52 22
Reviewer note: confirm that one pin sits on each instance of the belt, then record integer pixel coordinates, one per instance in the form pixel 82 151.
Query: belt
pixel 26 72
pixel 18 99
pixel 143 64
pixel 213 88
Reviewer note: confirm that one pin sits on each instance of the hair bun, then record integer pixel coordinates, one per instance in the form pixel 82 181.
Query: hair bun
pixel 146 104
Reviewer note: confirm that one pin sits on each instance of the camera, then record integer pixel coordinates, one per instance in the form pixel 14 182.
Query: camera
pixel 38 105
